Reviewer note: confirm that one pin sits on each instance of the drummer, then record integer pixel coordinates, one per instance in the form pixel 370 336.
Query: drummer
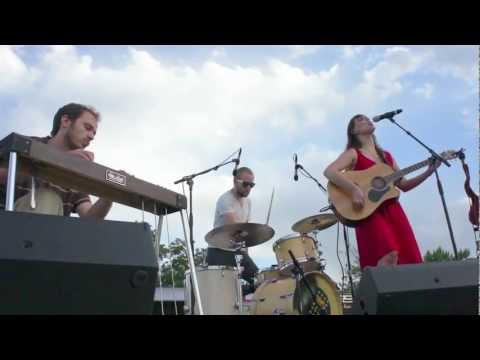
pixel 233 207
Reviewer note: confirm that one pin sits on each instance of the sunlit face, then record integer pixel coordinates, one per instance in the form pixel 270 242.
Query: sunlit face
pixel 81 131
pixel 363 126
pixel 243 183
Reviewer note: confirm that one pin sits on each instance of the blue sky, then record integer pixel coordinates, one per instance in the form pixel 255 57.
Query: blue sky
pixel 169 111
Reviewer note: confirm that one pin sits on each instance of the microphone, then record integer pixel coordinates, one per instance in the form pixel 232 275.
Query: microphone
pixel 387 115
pixel 237 161
pixel 295 158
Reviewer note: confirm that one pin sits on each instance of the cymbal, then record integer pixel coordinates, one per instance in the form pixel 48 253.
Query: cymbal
pixel 230 236
pixel 315 222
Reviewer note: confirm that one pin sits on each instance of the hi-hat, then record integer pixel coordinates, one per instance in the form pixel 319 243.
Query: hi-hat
pixel 315 222
pixel 232 236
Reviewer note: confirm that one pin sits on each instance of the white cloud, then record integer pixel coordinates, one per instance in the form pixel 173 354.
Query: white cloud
pixel 426 90
pixel 298 51
pixel 219 53
pixel 470 121
pixel 458 62
pixel 14 74
pixel 350 51
pixel 384 79
pixel 455 61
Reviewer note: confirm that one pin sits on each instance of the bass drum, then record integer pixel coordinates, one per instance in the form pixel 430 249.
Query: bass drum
pixel 274 297
pixel 327 298
pixel 286 297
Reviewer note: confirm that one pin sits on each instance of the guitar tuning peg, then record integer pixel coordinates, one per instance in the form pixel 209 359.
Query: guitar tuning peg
pixel 461 154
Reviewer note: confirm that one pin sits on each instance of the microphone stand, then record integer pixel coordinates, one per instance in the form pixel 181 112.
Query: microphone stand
pixel 439 183
pixel 191 249
pixel 189 180
pixel 298 272
pixel 348 261
pixel 308 175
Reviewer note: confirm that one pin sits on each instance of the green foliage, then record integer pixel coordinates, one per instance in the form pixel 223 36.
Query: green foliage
pixel 442 255
pixel 175 256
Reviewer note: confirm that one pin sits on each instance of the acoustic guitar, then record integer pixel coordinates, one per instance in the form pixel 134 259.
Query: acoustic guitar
pixel 378 185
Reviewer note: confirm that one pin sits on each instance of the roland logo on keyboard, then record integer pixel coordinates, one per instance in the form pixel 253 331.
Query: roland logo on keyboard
pixel 116 177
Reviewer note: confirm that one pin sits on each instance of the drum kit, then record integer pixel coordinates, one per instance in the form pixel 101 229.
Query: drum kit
pixel 296 285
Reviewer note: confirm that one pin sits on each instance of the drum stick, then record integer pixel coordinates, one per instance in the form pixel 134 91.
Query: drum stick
pixel 270 207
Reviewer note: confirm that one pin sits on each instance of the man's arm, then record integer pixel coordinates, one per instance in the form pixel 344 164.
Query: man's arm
pixel 229 218
pixel 99 210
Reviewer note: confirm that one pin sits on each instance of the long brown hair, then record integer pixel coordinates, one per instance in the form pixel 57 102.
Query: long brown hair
pixel 353 141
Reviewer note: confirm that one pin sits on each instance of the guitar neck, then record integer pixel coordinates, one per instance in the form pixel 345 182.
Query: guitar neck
pixel 401 173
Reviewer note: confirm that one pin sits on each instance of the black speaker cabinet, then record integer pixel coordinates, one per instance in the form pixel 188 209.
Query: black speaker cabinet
pixel 61 265
pixel 438 288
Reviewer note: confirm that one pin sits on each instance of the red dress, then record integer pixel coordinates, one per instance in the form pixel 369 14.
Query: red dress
pixel 386 230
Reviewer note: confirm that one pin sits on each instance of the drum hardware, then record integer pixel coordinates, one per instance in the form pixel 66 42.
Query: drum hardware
pixel 239 304
pixel 317 243
pixel 326 208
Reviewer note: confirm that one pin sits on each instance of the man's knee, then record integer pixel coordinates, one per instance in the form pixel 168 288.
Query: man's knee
pixel 47 202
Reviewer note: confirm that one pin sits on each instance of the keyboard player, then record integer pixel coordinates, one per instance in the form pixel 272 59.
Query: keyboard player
pixel 74 127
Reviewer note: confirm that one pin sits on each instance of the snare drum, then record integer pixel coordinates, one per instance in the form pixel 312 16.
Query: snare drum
pixel 303 248
pixel 218 286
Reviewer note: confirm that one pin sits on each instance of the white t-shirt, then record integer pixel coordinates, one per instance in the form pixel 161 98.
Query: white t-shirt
pixel 228 203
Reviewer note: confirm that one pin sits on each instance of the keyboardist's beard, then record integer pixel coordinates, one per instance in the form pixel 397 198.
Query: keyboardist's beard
pixel 70 143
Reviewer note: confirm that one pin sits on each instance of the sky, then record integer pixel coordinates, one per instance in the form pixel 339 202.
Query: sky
pixel 171 111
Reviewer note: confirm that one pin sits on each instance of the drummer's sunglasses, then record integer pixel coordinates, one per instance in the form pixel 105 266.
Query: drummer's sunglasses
pixel 246 183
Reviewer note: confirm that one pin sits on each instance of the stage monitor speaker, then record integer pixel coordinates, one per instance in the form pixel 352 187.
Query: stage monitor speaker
pixel 61 265
pixel 438 288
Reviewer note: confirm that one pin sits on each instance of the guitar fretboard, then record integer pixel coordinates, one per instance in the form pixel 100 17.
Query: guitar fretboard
pixel 401 173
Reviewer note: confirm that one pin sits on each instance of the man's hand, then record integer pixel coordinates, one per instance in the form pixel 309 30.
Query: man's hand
pixel 84 154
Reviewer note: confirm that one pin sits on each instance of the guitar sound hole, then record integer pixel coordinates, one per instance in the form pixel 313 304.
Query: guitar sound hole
pixel 378 183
